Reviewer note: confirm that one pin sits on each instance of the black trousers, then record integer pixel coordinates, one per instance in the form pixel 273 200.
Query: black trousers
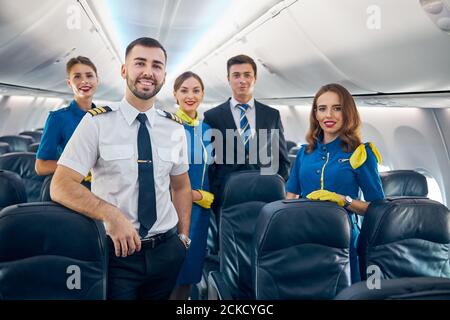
pixel 149 274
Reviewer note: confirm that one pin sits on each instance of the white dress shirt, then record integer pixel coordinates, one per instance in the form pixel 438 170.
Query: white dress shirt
pixel 107 143
pixel 251 115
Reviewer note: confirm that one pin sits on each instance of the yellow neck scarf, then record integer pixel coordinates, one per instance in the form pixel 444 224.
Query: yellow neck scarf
pixel 193 122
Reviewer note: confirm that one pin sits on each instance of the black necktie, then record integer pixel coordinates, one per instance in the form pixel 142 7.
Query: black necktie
pixel 147 199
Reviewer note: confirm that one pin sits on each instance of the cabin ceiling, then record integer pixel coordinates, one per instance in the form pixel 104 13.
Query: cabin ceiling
pixel 298 45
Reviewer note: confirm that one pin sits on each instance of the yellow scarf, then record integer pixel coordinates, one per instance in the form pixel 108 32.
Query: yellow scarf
pixel 186 119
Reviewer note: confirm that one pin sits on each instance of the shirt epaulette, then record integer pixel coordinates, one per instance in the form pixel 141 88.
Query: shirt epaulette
pixel 99 110
pixel 169 115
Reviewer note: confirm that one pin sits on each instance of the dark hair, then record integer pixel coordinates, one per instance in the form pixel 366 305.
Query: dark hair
pixel 79 60
pixel 145 42
pixel 350 132
pixel 183 77
pixel 240 59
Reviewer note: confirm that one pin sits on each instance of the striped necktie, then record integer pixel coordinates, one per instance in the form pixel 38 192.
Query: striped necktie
pixel 245 130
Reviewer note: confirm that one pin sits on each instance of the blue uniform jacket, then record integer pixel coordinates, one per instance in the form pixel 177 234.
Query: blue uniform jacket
pixel 58 129
pixel 329 163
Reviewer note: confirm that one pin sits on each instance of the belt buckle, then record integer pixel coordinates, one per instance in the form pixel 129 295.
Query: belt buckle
pixel 149 243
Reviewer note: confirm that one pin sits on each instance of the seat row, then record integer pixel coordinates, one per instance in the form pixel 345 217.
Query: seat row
pixel 299 249
pixel 23 142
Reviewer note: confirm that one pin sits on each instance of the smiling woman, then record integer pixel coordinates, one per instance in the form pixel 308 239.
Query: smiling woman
pixel 82 79
pixel 335 165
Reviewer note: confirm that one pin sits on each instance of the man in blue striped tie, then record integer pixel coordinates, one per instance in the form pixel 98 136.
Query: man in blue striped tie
pixel 251 119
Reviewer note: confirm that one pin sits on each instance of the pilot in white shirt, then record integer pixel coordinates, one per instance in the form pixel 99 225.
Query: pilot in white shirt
pixel 103 143
pixel 140 187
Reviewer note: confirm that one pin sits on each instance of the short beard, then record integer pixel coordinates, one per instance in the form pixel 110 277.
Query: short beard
pixel 143 95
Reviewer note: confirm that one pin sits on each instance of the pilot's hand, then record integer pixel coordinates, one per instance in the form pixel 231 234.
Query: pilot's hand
pixel 325 195
pixel 124 236
pixel 206 200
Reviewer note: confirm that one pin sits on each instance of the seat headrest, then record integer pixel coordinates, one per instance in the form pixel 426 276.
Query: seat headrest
pixel 290 145
pixel 36 135
pixel 33 147
pixel 398 219
pixel 33 228
pixel 304 222
pixel 4 148
pixel 12 189
pixel 247 186
pixel 23 163
pixel 17 143
pixel 294 150
pixel 399 183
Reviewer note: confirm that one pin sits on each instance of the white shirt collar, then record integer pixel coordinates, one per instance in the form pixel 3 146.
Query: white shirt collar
pixel 234 102
pixel 130 113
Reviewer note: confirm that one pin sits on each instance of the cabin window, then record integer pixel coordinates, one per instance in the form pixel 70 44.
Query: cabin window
pixel 383 168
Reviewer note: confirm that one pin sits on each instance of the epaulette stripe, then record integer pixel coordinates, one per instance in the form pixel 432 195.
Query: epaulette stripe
pixel 99 110
pixel 170 116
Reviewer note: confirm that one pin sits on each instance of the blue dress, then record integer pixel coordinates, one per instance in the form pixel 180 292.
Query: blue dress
pixel 58 129
pixel 339 177
pixel 200 150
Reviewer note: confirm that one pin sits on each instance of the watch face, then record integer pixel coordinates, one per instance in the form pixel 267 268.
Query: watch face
pixel 348 199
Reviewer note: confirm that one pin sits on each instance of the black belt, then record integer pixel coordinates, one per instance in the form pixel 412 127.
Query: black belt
pixel 157 239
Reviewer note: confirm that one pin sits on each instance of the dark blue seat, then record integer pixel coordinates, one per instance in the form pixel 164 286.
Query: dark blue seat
pixel 245 193
pixel 33 147
pixel 45 189
pixel 4 148
pixel 12 189
pixel 17 143
pixel 23 163
pixel 301 251
pixel 405 237
pixel 398 183
pixel 290 145
pixel 36 135
pixel 50 252
pixel 418 288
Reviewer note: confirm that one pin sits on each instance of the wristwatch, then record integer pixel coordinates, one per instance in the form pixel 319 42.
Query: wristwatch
pixel 348 201
pixel 185 239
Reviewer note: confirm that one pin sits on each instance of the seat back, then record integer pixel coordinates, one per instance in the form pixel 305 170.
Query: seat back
pixel 50 252
pixel 398 183
pixel 12 189
pixel 301 250
pixel 17 143
pixel 36 135
pixel 4 148
pixel 290 145
pixel 33 147
pixel 405 237
pixel 22 163
pixel 245 193
pixel 294 150
pixel 417 288
pixel 45 190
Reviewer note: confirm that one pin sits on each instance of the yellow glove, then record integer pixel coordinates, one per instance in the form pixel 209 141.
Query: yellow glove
pixel 206 200
pixel 325 195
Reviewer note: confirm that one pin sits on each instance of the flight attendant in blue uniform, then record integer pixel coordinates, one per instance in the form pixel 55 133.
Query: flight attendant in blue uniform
pixel 335 165
pixel 60 124
pixel 189 91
